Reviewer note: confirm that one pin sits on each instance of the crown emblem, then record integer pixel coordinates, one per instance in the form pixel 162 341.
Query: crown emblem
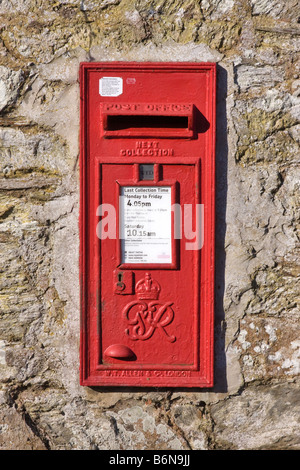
pixel 147 289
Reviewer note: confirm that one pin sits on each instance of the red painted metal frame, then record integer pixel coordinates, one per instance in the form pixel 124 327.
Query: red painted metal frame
pixel 91 159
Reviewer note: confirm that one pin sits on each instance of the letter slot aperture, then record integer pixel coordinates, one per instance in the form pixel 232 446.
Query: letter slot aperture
pixel 144 120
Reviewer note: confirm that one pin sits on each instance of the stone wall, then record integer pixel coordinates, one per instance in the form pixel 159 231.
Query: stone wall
pixel 255 402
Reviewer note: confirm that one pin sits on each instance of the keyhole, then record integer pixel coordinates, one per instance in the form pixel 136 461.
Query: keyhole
pixel 123 281
pixel 120 283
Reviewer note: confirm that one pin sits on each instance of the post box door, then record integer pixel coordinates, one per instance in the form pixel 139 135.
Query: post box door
pixel 149 303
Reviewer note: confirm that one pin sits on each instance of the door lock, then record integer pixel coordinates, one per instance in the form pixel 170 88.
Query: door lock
pixel 123 282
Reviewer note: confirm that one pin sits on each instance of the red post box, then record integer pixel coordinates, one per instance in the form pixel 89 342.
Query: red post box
pixel 147 224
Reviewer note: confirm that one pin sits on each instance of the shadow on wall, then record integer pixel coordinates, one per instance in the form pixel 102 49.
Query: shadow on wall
pixel 220 255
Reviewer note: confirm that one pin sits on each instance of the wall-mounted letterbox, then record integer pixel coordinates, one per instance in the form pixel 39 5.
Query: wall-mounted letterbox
pixel 147 224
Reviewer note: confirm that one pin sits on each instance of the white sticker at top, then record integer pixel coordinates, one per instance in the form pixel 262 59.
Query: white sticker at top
pixel 111 86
